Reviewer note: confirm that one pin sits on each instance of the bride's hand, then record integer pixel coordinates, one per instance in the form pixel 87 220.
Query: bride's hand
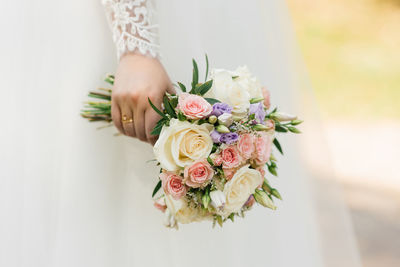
pixel 138 78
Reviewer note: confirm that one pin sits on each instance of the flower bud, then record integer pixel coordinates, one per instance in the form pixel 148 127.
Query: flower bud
pixel 239 113
pixel 261 127
pixel 206 200
pixel 256 100
pixel 276 194
pixel 225 119
pixel 212 119
pixel 296 122
pixel 222 129
pixel 217 199
pixel 266 187
pixel 280 116
pixel 263 199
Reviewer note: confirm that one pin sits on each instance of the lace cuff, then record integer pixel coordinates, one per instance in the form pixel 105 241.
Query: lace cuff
pixel 132 25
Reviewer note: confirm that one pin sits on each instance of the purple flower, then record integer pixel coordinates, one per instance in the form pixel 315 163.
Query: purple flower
pixel 216 136
pixel 229 138
pixel 259 112
pixel 220 108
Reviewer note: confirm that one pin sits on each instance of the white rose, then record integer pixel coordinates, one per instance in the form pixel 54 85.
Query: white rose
pixel 182 212
pixel 237 191
pixel 227 90
pixel 248 82
pixel 181 143
pixel 225 119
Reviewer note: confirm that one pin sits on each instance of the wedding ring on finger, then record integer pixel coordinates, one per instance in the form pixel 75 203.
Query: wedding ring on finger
pixel 126 119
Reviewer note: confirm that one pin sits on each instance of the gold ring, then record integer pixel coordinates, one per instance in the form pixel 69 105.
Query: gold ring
pixel 126 119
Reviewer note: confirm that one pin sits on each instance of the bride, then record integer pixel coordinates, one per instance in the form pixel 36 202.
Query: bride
pixel 74 196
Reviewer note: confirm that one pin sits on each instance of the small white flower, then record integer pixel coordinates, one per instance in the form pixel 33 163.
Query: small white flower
pixel 280 116
pixel 217 199
pixel 225 119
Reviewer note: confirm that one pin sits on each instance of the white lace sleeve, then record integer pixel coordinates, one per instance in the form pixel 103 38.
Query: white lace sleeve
pixel 132 25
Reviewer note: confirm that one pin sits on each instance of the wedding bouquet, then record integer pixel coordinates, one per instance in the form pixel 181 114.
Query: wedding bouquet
pixel 214 146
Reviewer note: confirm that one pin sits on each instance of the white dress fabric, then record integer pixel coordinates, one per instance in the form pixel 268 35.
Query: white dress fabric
pixel 72 195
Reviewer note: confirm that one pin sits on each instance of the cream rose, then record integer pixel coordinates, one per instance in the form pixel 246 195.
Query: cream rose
pixel 227 90
pixel 236 92
pixel 182 212
pixel 181 143
pixel 248 82
pixel 238 190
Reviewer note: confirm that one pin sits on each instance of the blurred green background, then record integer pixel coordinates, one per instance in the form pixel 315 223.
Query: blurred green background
pixel 351 49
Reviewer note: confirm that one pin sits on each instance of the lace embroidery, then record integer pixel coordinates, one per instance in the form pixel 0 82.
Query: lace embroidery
pixel 132 25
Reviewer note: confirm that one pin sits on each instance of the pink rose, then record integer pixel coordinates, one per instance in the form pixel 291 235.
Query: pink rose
pixel 263 148
pixel 198 174
pixel 216 159
pixel 194 106
pixel 246 145
pixel 228 173
pixel 160 204
pixel 172 184
pixel 267 97
pixel 270 124
pixel 230 157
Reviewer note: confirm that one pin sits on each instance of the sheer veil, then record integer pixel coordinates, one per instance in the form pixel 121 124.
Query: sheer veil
pixel 74 196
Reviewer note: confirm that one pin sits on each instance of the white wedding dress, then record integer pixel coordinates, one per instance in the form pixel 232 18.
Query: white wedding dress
pixel 72 195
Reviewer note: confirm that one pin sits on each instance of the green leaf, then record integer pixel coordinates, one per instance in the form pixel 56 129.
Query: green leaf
pixel 182 86
pixel 174 102
pixel 110 79
pixel 156 109
pixel 168 108
pixel 280 128
pixel 195 79
pixel 235 77
pixel 204 88
pixel 158 186
pixel 278 145
pixel 99 95
pixel 205 79
pixel 181 116
pixel 157 129
pixel 212 101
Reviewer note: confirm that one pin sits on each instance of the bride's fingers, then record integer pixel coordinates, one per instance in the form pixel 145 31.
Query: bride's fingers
pixel 151 118
pixel 116 116
pixel 138 120
pixel 127 120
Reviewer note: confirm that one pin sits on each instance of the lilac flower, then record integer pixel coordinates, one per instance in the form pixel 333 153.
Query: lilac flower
pixel 259 112
pixel 220 108
pixel 229 138
pixel 216 136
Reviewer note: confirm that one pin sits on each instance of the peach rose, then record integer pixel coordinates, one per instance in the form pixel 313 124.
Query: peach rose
pixel 228 173
pixel 230 157
pixel 267 97
pixel 198 174
pixel 194 106
pixel 172 184
pixel 263 148
pixel 246 145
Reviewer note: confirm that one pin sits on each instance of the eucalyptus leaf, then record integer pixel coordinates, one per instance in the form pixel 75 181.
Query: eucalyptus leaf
pixel 205 79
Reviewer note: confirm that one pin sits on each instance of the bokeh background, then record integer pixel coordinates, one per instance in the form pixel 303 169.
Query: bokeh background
pixel 351 50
